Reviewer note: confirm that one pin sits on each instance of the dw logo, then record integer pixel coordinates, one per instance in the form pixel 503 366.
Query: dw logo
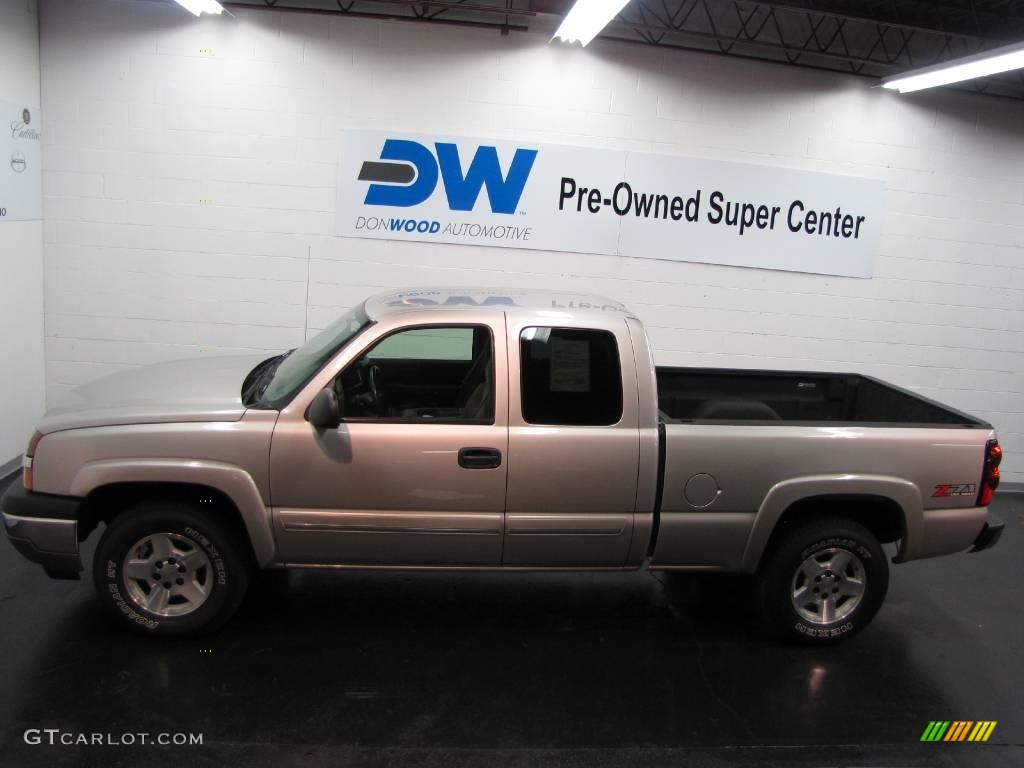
pixel 411 175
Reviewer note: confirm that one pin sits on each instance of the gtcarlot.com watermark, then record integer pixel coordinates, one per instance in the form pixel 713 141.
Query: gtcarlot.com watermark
pixel 57 737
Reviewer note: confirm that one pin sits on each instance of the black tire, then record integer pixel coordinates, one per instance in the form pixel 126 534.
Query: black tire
pixel 222 580
pixel 778 580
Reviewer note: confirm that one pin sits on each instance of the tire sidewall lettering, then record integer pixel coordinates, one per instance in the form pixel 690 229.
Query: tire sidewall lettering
pixel 839 542
pixel 215 556
pixel 824 632
pixel 122 605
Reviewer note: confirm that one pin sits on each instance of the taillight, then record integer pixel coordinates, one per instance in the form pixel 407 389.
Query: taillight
pixel 26 462
pixel 990 472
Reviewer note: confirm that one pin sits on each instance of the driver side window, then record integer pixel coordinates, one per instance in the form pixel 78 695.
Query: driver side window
pixel 438 373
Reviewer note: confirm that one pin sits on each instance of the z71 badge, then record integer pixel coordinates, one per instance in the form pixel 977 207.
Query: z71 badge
pixel 954 489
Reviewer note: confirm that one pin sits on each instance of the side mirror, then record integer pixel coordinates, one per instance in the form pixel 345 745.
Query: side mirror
pixel 324 412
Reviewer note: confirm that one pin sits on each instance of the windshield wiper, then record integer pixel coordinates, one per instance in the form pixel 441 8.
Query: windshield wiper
pixel 260 377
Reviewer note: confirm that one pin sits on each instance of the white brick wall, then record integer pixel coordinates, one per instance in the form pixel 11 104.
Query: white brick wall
pixel 142 125
pixel 22 382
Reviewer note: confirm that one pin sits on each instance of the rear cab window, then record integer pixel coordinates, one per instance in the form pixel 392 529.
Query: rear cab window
pixel 570 376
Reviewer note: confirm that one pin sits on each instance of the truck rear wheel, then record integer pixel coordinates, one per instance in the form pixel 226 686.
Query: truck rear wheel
pixel 823 582
pixel 162 568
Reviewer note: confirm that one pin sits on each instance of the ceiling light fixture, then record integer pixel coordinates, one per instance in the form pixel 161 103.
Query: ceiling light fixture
pixel 992 62
pixel 197 7
pixel 586 18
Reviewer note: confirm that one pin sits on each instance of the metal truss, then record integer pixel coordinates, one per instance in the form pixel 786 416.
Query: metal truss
pixel 807 34
pixel 504 15
pixel 870 38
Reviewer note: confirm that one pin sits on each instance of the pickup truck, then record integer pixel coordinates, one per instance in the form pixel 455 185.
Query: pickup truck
pixel 468 430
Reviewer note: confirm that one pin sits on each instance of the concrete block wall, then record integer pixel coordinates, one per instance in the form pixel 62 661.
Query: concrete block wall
pixel 22 383
pixel 150 112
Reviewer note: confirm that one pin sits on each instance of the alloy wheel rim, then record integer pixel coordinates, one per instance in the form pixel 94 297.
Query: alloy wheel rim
pixel 166 574
pixel 828 586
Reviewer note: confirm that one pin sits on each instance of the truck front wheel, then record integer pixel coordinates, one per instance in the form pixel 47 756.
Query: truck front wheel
pixel 823 582
pixel 162 568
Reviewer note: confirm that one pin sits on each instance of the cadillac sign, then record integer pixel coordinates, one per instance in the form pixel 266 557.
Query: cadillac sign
pixel 21 168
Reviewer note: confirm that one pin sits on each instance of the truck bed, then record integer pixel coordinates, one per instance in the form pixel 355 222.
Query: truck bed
pixel 698 395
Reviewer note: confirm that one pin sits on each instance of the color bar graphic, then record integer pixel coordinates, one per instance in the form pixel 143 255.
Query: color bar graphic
pixel 958 730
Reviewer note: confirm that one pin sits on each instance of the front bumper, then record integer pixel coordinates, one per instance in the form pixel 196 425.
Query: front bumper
pixel 989 535
pixel 44 528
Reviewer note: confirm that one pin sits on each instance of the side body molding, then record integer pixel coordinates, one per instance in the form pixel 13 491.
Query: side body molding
pixel 232 481
pixel 785 494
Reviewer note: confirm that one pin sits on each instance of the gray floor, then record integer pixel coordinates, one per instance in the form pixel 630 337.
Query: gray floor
pixel 523 670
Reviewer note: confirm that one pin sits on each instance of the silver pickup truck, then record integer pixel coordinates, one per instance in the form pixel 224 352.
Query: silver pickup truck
pixel 468 430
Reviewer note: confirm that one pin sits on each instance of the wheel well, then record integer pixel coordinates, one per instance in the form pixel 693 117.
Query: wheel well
pixel 105 503
pixel 880 515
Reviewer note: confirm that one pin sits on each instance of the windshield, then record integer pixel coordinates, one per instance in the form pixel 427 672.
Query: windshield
pixel 298 366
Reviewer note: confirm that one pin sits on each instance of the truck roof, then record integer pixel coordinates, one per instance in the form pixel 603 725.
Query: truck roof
pixel 533 301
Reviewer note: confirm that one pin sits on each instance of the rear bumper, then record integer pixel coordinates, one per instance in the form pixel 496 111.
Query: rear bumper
pixel 44 528
pixel 989 535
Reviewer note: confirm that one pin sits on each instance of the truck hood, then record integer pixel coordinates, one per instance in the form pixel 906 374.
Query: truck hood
pixel 200 389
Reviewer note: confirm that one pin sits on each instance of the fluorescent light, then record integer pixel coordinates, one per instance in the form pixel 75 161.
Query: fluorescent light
pixel 991 62
pixel 201 6
pixel 586 18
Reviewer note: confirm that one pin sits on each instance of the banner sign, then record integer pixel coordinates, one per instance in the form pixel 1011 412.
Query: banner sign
pixel 21 167
pixel 400 186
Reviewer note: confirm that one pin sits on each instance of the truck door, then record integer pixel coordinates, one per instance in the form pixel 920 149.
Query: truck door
pixel 415 473
pixel 573 445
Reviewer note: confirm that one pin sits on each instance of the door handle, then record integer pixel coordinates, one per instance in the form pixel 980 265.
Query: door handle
pixel 479 458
